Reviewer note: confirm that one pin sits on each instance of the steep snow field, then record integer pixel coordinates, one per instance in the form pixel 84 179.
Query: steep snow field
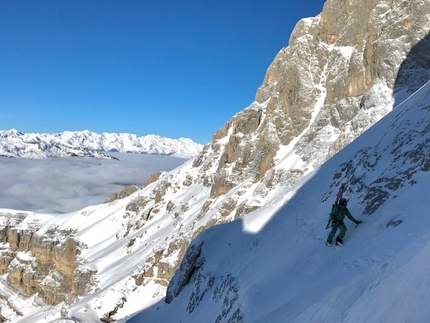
pixel 277 256
pixel 272 265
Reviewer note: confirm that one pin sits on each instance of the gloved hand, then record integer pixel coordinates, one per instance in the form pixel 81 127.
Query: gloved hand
pixel 359 222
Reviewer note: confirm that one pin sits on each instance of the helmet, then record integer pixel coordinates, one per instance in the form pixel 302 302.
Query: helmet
pixel 343 201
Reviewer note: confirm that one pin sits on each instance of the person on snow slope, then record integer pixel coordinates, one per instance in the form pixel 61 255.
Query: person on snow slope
pixel 337 216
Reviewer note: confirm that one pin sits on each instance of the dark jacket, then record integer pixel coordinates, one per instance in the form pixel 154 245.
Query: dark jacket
pixel 338 214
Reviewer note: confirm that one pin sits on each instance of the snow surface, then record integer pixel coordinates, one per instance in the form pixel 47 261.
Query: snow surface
pixel 279 267
pixel 286 273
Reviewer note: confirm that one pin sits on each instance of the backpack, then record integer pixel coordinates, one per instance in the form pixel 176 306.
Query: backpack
pixel 339 196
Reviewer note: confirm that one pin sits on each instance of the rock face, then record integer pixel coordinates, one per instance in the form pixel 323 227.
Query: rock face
pixel 41 263
pixel 126 191
pixel 190 263
pixel 329 85
pixel 335 79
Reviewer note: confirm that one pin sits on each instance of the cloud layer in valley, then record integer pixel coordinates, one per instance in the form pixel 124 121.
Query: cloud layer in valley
pixel 59 185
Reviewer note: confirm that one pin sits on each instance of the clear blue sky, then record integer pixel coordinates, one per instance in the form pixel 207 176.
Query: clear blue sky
pixel 170 68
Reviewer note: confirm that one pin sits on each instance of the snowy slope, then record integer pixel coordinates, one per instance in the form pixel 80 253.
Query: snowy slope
pixel 273 266
pixel 86 143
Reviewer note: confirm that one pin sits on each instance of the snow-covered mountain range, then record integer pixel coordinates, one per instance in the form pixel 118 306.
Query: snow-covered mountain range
pixel 237 234
pixel 89 144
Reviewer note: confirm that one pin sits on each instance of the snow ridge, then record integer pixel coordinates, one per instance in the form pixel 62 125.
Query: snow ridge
pixel 86 143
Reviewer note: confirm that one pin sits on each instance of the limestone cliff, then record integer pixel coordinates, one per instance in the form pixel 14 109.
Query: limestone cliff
pixel 340 73
pixel 41 262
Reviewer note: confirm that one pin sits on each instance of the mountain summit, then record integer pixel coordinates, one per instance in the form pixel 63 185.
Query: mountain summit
pixel 269 176
pixel 90 144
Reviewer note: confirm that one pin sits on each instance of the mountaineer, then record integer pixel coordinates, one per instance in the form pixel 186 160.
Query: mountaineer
pixel 337 215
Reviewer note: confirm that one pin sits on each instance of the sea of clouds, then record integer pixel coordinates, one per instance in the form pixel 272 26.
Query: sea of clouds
pixel 61 185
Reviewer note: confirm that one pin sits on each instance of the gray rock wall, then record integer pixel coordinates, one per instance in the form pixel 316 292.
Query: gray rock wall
pixel 41 263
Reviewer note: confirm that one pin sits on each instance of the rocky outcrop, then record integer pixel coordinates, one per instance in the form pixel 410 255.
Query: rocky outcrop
pixel 338 68
pixel 153 178
pixel 222 290
pixel 126 191
pixel 43 263
pixel 331 83
pixel 190 263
